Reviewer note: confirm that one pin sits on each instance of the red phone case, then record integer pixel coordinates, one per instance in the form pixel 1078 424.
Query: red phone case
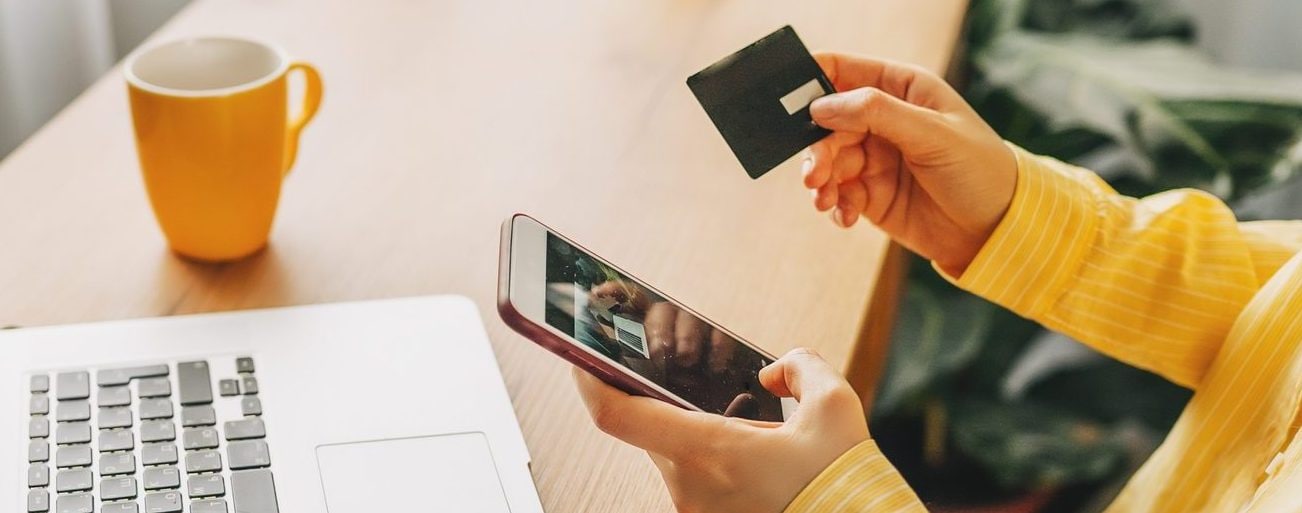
pixel 608 372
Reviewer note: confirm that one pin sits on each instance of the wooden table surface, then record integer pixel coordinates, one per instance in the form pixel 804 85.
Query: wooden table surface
pixel 442 118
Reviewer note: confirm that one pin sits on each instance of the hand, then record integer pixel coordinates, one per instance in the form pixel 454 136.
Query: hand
pixel 686 340
pixel 911 156
pixel 722 464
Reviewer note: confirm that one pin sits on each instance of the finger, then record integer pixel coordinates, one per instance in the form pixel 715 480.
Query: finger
pixel 644 422
pixel 744 405
pixel 659 325
pixel 880 178
pixel 869 110
pixel 898 78
pixel 820 170
pixel 689 338
pixel 800 373
pixel 722 349
pixel 851 72
pixel 826 197
pixel 849 163
pixel 853 199
pixel 608 289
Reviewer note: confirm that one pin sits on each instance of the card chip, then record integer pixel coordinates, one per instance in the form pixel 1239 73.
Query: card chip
pixel 802 96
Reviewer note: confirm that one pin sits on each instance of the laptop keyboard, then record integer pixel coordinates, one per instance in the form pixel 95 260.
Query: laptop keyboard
pixel 148 439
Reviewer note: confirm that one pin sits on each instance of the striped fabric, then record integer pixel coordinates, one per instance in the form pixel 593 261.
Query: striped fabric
pixel 1171 283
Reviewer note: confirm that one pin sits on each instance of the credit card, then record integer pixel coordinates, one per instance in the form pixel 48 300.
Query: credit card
pixel 759 100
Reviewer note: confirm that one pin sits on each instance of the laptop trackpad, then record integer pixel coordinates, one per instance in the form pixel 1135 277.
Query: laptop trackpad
pixel 426 474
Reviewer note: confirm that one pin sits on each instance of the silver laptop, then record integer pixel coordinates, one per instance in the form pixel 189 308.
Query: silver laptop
pixel 393 405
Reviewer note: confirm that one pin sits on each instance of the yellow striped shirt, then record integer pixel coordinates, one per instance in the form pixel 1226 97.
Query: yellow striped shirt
pixel 1172 283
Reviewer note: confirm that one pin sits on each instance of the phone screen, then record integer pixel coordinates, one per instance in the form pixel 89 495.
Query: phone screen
pixel 652 337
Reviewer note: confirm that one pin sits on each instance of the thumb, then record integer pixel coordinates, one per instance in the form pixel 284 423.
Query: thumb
pixel 873 111
pixel 801 374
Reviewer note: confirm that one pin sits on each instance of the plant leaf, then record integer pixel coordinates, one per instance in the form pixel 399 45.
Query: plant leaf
pixel 938 332
pixel 1027 443
pixel 1190 122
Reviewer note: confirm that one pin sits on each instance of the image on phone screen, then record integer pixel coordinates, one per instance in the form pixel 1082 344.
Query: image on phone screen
pixel 651 336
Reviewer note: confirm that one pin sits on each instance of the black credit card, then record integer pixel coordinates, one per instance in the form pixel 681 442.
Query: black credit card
pixel 759 99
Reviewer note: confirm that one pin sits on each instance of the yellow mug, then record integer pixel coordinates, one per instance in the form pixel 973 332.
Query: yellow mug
pixel 215 140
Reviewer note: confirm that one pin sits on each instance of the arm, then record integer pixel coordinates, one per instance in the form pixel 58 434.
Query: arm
pixel 862 481
pixel 1155 282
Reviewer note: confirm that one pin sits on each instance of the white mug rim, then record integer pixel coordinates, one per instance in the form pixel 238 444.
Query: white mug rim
pixel 128 68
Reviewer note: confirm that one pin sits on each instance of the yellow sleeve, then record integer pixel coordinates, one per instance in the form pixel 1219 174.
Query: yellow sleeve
pixel 1272 243
pixel 1154 282
pixel 860 481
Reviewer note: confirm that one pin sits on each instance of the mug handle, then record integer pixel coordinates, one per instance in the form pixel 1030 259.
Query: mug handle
pixel 311 101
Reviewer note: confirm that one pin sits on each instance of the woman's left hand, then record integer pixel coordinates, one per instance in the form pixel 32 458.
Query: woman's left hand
pixel 713 463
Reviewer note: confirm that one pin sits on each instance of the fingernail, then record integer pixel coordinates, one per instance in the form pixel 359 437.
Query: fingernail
pixel 807 166
pixel 836 217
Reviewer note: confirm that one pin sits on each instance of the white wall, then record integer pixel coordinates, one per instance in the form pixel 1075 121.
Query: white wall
pixel 50 50
pixel 1252 33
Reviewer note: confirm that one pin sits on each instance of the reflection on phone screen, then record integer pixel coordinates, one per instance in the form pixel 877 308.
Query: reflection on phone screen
pixel 651 336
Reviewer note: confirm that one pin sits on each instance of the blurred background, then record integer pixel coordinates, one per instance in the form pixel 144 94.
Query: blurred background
pixel 980 409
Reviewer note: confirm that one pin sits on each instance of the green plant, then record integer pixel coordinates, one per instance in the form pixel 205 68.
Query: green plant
pixel 1113 85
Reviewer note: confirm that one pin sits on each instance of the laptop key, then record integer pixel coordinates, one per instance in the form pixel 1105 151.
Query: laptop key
pixel 72 433
pixel 206 485
pixel 157 431
pixel 39 404
pixel 78 480
pixel 194 382
pixel 245 429
pixel 158 454
pixel 72 410
pixel 228 387
pixel 199 438
pixel 75 503
pixel 124 375
pixel 72 385
pixel 250 384
pixel 114 488
pixel 38 450
pixel 117 440
pixel 117 464
pixel 248 454
pixel 254 490
pixel 119 507
pixel 202 461
pixel 154 387
pixel 115 417
pixel 162 478
pixel 114 396
pixel 244 364
pixel 38 501
pixel 155 409
pixel 38 427
pixel 72 456
pixel 38 475
pixel 250 405
pixel 163 502
pixel 201 415
pixel 39 383
pixel 208 506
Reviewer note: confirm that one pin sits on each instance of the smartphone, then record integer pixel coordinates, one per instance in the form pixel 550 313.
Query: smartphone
pixel 635 338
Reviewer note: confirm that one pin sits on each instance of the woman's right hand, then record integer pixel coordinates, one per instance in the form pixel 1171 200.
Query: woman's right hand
pixel 911 156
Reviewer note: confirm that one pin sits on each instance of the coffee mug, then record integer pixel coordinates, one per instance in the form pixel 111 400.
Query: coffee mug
pixel 215 140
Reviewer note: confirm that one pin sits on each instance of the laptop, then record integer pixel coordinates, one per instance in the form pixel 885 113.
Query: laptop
pixel 391 405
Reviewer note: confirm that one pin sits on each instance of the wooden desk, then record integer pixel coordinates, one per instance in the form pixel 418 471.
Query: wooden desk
pixel 439 120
